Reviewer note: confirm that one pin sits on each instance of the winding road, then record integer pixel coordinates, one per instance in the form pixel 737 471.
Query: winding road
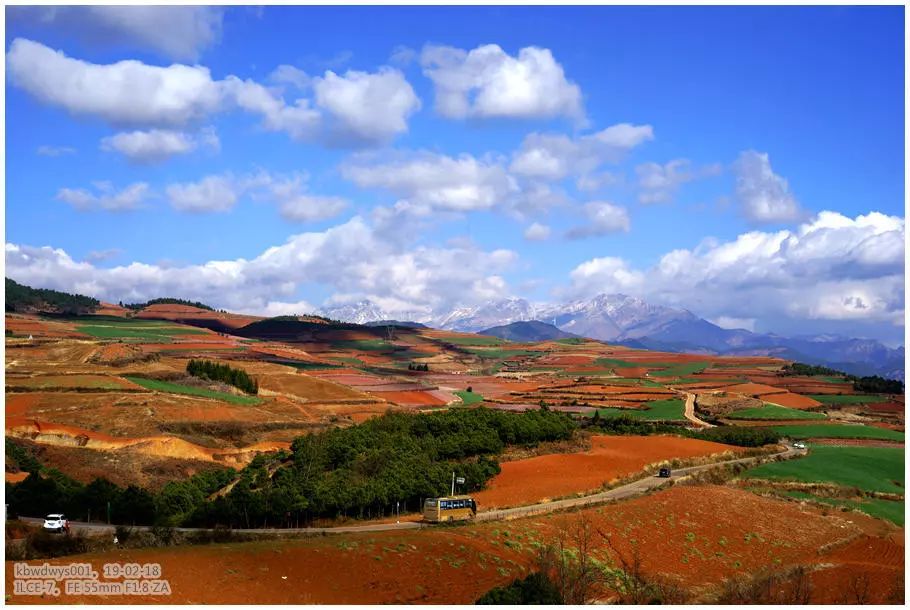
pixel 622 492
pixel 690 412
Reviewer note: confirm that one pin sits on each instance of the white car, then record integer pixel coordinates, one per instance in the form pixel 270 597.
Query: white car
pixel 55 522
pixel 799 445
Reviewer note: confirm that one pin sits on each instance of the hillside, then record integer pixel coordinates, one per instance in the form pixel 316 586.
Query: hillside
pixel 20 298
pixel 527 332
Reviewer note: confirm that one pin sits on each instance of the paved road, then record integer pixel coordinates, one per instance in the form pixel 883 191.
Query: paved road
pixel 619 493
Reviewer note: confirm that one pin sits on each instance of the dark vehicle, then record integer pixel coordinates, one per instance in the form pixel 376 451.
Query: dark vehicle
pixel 664 473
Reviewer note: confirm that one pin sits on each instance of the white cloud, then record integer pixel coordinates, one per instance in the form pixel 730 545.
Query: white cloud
pixel 433 181
pixel 367 107
pixel 488 82
pixel 349 259
pixel 735 323
pixel 355 108
pixel 123 93
pixel 555 156
pixel 832 267
pixel 291 75
pixel 402 55
pixel 537 232
pixel 157 145
pixel 764 196
pixel 97 256
pixel 176 32
pixel 221 192
pixel 602 218
pixel 660 183
pixel 106 197
pixel 55 151
pixel 210 194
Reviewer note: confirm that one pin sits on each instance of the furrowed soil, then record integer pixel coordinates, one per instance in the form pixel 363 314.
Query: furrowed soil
pixel 695 535
pixel 611 457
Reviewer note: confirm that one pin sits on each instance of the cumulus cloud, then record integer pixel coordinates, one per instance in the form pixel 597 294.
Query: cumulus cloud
pixel 176 32
pixel 106 197
pixel 602 218
pixel 97 256
pixel 209 194
pixel 763 196
pixel 157 145
pixel 488 82
pixel 291 75
pixel 433 181
pixel 55 151
pixel 832 267
pixel 221 192
pixel 349 259
pixel 659 183
pixel 369 107
pixel 356 108
pixel 537 232
pixel 556 156
pixel 123 93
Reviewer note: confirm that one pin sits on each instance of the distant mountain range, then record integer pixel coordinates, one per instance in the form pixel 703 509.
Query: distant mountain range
pixel 528 332
pixel 630 321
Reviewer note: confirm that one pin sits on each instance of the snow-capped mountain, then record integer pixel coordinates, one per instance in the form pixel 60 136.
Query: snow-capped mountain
pixel 624 319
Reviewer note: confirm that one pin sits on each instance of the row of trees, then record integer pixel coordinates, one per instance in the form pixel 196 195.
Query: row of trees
pixel 360 471
pixel 25 298
pixel 729 435
pixel 206 369
pixel 413 366
pixel 870 383
pixel 166 301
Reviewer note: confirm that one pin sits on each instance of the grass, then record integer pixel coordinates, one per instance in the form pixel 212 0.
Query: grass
pixel 890 510
pixel 306 366
pixel 572 340
pixel 769 411
pixel 681 370
pixel 502 354
pixel 670 409
pixel 176 388
pixel 830 379
pixel 839 431
pixel 476 340
pixel 866 468
pixel 364 345
pixel 469 398
pixel 846 399
pixel 136 330
pixel 614 363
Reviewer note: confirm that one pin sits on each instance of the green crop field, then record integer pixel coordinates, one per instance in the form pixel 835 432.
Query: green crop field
pixel 769 411
pixel 681 370
pixel 364 345
pixel 616 364
pixel 502 354
pixel 572 340
pixel 176 388
pixel 668 410
pixel 469 398
pixel 891 510
pixel 141 329
pixel 830 379
pixel 839 431
pixel 476 340
pixel 867 468
pixel 846 399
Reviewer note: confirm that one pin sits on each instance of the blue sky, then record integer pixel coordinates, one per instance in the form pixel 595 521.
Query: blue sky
pixel 743 121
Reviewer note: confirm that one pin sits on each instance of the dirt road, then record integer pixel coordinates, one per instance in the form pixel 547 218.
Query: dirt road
pixel 619 493
pixel 690 412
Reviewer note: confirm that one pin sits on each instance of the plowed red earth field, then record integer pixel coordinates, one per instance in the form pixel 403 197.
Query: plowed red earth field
pixel 553 476
pixel 793 401
pixel 427 567
pixel 697 535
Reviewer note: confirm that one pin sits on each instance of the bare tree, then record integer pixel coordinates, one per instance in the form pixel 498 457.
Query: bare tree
pixel 570 563
pixel 790 586
pixel 633 585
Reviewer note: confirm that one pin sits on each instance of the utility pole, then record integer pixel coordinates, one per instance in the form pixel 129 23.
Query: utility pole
pixel 453 482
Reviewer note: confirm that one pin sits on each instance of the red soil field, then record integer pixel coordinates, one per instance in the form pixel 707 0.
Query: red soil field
pixel 410 398
pixel 793 401
pixel 611 457
pixel 752 389
pixel 186 312
pixel 426 567
pixel 15 477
